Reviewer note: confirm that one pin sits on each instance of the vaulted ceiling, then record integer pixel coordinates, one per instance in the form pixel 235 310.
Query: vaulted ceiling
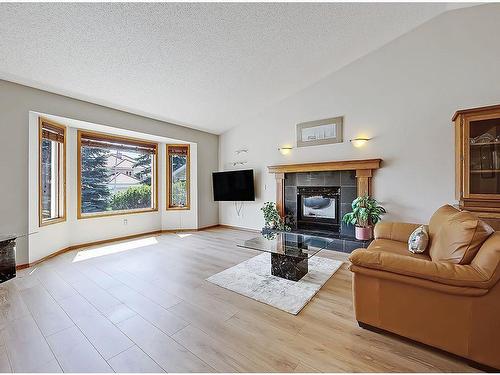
pixel 203 65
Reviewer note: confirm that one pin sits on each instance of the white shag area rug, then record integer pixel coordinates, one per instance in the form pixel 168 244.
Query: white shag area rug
pixel 252 278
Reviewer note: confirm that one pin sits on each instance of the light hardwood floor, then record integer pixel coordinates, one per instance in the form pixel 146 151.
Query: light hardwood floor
pixel 144 306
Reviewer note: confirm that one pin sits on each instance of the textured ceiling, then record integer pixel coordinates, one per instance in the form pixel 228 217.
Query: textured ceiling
pixel 203 65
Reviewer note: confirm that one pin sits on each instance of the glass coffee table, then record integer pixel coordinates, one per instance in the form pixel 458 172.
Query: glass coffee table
pixel 290 252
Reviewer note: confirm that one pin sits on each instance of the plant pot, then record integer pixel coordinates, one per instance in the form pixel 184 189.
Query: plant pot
pixel 363 233
pixel 266 230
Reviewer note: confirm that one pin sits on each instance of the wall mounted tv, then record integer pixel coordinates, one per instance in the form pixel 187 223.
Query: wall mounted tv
pixel 233 185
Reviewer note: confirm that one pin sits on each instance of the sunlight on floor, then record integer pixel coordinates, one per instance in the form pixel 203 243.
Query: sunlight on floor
pixel 183 235
pixel 113 249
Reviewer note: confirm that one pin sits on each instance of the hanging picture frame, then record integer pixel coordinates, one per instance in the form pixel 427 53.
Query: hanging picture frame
pixel 320 132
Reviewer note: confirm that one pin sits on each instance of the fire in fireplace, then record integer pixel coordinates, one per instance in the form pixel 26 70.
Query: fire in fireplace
pixel 318 207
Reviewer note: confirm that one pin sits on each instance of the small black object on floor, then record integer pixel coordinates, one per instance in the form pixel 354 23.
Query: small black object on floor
pixel 7 257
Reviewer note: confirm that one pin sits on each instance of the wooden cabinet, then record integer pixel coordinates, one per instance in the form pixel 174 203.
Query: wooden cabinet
pixel 477 162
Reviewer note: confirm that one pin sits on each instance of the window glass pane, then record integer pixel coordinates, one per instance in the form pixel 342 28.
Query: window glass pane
pixel 49 176
pixel 114 179
pixel 178 181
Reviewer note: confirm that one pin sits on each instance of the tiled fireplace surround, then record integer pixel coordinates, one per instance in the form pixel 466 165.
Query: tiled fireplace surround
pixel 348 191
pixel 352 176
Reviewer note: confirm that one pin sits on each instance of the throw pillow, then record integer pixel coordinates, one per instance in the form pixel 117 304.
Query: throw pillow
pixel 456 236
pixel 418 241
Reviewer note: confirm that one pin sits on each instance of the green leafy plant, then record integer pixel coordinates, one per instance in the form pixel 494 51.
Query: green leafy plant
pixel 272 217
pixel 133 198
pixel 365 212
pixel 179 193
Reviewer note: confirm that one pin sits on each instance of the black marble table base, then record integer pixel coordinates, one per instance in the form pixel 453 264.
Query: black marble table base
pixel 287 267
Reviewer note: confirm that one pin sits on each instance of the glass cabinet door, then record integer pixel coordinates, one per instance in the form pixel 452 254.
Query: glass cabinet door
pixel 484 156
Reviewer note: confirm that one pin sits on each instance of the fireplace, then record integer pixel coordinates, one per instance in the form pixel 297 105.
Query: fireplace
pixel 317 201
pixel 344 181
pixel 318 208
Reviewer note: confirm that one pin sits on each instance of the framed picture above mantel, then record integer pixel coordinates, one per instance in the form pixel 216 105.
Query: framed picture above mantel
pixel 320 132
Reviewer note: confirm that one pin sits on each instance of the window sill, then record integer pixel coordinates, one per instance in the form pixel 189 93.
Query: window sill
pixel 184 208
pixel 115 213
pixel 52 221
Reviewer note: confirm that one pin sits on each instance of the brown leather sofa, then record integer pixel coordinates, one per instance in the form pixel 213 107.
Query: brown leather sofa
pixel 448 297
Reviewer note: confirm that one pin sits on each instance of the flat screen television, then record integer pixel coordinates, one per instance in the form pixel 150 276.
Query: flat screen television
pixel 233 185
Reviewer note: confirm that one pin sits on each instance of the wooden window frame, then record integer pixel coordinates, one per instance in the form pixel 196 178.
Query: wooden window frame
pixel 61 167
pixel 188 178
pixel 118 138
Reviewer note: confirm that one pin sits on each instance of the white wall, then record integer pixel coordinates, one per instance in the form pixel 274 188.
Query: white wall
pixel 49 239
pixel 403 96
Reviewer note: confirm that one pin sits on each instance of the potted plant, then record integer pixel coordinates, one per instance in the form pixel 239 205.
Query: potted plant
pixel 272 218
pixel 366 212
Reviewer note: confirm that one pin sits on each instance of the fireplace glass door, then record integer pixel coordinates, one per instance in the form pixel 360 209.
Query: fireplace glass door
pixel 318 207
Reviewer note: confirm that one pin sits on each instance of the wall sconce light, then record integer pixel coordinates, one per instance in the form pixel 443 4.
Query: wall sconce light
pixel 285 150
pixel 359 142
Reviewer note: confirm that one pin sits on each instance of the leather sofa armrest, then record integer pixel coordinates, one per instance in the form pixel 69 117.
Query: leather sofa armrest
pixel 440 272
pixel 394 231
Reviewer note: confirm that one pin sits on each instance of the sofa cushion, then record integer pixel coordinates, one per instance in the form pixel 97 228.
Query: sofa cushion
pixel 456 236
pixel 394 247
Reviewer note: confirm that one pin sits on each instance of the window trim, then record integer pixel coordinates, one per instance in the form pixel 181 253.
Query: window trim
pixel 62 193
pixel 187 207
pixel 113 137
